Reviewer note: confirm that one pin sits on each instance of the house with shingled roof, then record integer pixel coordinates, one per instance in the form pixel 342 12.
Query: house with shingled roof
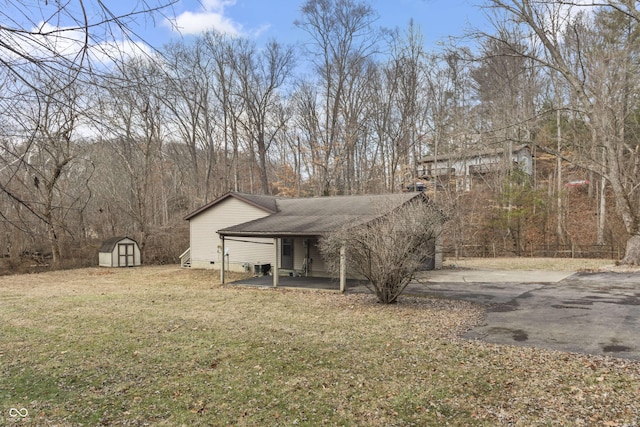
pixel 242 232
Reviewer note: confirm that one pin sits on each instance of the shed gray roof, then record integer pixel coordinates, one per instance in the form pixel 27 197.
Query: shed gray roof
pixel 266 203
pixel 320 215
pixel 109 244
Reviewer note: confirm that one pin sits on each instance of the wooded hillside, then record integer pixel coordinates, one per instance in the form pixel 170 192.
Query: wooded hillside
pixel 91 150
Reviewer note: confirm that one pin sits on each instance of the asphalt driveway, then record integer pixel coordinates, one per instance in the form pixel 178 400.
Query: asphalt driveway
pixel 594 313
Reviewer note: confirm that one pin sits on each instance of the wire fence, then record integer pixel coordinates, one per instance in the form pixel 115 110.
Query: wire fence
pixel 494 250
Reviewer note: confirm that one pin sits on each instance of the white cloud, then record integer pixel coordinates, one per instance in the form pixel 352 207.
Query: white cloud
pixel 559 15
pixel 48 43
pixel 117 51
pixel 45 42
pixel 195 23
pixel 211 16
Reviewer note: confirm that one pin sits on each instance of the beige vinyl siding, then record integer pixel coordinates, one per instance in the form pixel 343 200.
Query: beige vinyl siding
pixel 206 243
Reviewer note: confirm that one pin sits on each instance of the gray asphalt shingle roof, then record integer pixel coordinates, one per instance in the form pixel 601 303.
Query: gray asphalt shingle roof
pixel 109 244
pixel 319 215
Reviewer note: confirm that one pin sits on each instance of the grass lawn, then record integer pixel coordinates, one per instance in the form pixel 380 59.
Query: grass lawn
pixel 168 347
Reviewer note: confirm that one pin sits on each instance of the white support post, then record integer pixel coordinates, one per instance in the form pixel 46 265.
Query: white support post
pixel 222 261
pixel 343 269
pixel 274 268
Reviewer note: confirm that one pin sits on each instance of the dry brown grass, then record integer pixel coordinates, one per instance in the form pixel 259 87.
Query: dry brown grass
pixel 164 346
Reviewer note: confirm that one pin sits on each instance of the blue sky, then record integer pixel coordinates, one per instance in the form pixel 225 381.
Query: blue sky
pixel 258 20
pixel 262 20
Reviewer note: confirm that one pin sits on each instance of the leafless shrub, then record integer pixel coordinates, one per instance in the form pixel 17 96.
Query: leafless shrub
pixel 388 250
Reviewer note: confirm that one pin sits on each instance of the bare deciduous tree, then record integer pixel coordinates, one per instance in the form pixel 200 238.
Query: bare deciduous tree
pixel 343 38
pixel 601 74
pixel 69 38
pixel 188 100
pixel 389 250
pixel 221 49
pixel 48 51
pixel 44 161
pixel 407 74
pixel 261 76
pixel 133 124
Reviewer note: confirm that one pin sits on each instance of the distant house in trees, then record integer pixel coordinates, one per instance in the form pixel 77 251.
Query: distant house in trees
pixel 256 233
pixel 119 252
pixel 462 169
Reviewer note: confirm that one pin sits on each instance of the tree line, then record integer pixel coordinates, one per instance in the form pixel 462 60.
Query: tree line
pixel 91 150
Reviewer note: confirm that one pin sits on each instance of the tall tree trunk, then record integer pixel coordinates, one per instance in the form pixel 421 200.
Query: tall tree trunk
pixel 632 251
pixel 262 165
pixel 560 217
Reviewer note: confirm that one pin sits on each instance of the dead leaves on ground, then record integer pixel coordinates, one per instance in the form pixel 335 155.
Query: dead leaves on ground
pixel 177 353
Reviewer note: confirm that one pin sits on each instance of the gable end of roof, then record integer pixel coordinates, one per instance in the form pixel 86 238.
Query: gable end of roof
pixel 266 203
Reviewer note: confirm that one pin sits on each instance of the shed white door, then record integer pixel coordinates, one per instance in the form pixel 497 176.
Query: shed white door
pixel 126 255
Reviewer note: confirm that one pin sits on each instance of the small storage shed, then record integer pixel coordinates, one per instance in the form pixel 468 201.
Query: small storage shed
pixel 119 252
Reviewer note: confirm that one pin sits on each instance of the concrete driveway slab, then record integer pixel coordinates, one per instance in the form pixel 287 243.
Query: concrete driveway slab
pixel 593 313
pixel 495 276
